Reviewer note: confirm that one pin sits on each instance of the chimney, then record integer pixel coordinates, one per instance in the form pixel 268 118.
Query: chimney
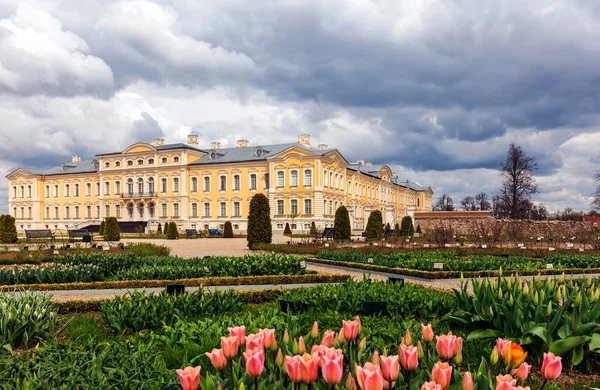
pixel 360 162
pixel 215 145
pixel 242 143
pixel 368 164
pixel 304 139
pixel 192 139
pixel 159 141
pixel 75 159
pixel 322 146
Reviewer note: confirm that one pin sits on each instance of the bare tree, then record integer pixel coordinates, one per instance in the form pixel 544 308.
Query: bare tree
pixel 444 203
pixel 596 201
pixel 468 203
pixel 482 202
pixel 518 182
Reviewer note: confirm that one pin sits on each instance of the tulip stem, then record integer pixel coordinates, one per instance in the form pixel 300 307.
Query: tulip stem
pixel 255 383
pixel 349 358
pixel 407 380
pixel 427 352
pixel 231 372
pixel 544 384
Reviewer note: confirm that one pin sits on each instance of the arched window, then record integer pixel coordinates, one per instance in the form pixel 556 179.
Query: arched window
pixel 163 160
pixel 140 162
pixel 117 163
pixel 175 159
pixel 151 185
pixel 150 161
pixel 129 163
pixel 163 185
pixel 140 186
pixel 294 178
pixel 325 181
pixel 107 164
pixel 418 202
pixel 130 186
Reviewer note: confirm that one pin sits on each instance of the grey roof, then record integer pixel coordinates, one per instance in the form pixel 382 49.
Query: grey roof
pixel 231 155
pixel 373 171
pixel 85 166
pixel 164 147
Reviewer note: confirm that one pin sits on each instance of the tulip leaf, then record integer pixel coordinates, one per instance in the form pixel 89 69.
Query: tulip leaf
pixel 595 343
pixel 561 347
pixel 539 332
pixel 577 355
pixel 484 334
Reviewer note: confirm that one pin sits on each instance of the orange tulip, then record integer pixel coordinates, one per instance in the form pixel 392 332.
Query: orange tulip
pixel 522 372
pixel 269 336
pixel 301 346
pixel 240 333
pixel 442 374
pixel 390 368
pixel 328 338
pixel 409 357
pixel 350 382
pixel 315 331
pixel 431 386
pixel 446 346
pixel 427 333
pixel 189 378
pixel 310 368
pixel 369 377
pixel 505 382
pixel 229 346
pixel 467 382
pixel 217 358
pixel 293 367
pixel 332 369
pixel 350 329
pixel 254 341
pixel 517 355
pixel 255 362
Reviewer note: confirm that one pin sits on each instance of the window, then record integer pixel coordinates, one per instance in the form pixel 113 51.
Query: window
pixel 280 207
pixel 307 178
pixel 14 192
pixel 163 160
pixel 76 190
pixel 253 181
pixel 88 189
pixel 325 176
pixel 342 182
pixel 98 188
pixel 67 190
pixel 29 191
pixel 47 212
pixel 236 182
pixel 223 183
pixel 129 163
pixel 294 179
pixel 280 179
pixel 336 184
pixel 29 212
pixel 107 164
pixel 56 190
pixel 22 191
pixel 175 159
pixel 130 186
pixel 294 206
pixel 267 181
pixel 47 191
pixel 236 209
pixel 330 207
pixel 163 185
pixel 56 213
pixel 97 212
pixel 117 187
pixel 106 188
pixel 163 210
pixel 151 185
pixel 140 162
pixel 279 226
pixel 77 212
pixel 67 212
pixel 140 185
pixel 222 209
pixel 15 212
pixel 207 209
pixel 89 212
pixel 107 211
pixel 194 209
pixel 307 206
pixel 236 226
pixel 176 209
pixel 118 211
pixel 175 184
pixel 194 184
pixel 293 226
pixel 150 161
pixel 418 202
pixel 117 163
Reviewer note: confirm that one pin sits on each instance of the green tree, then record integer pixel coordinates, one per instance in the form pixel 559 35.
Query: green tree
pixel 407 225
pixel 101 229
pixel 341 224
pixel 259 221
pixel 313 228
pixel 418 229
pixel 375 226
pixel 112 232
pixel 172 231
pixel 8 229
pixel 287 231
pixel 228 230
pixel 387 230
pixel 159 229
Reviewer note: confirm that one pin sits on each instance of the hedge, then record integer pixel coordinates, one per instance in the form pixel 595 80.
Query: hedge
pixel 215 281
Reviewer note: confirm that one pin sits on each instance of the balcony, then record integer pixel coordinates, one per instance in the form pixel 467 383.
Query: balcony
pixel 138 195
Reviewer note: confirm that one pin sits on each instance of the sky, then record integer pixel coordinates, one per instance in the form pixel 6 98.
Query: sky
pixel 437 89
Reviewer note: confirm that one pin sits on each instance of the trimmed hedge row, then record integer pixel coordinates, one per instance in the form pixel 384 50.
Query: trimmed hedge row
pixel 452 274
pixel 215 281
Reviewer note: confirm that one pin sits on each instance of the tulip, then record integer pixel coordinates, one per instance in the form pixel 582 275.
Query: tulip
pixel 240 333
pixel 442 374
pixel 301 346
pixel 315 331
pixel 375 359
pixel 350 329
pixel 427 333
pixel 293 367
pixel 309 368
pixel 390 368
pixel 328 338
pixel 269 337
pixel 522 372
pixel 551 366
pixel 369 377
pixel 494 356
pixel 458 355
pixel 217 358
pixel 295 346
pixel 229 346
pixel 363 344
pixel 286 336
pixel 357 319
pixel 254 341
pixel 341 338
pixel 350 382
pixel 408 338
pixel 279 358
pixel 317 349
pixel 332 369
pixel 502 346
pixel 505 382
pixel 467 382
pixel 189 378
pixel 521 388
pixel 446 346
pixel 409 357
pixel 431 386
pixel 255 362
pixel 421 353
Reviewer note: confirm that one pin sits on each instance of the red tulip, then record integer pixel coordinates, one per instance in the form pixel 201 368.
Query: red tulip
pixel 350 329
pixel 522 372
pixel 390 368
pixel 229 346
pixel 240 333
pixel 446 346
pixel 442 374
pixel 369 377
pixel 189 378
pixel 505 382
pixel 409 357
pixel 217 358
pixel 309 368
pixel 293 367
pixel 502 345
pixel 427 333
pixel 255 362
pixel 467 383
pixel 332 368
pixel 328 338
pixel 254 341
pixel 431 386
pixel 269 337
pixel 551 366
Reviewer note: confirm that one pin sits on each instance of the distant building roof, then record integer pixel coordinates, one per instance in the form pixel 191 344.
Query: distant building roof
pixel 249 153
pixel 373 171
pixel 164 147
pixel 85 166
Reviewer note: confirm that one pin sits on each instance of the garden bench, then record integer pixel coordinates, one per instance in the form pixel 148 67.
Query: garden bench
pixel 79 233
pixel 39 233
pixel 215 232
pixel 192 233
pixel 327 234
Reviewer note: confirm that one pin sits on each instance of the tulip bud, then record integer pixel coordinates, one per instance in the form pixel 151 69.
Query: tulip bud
pixel 525 288
pixel 279 358
pixel 242 387
pixel 588 282
pixel 542 295
pixel 363 344
pixel 420 352
pixel 494 356
pixel 295 346
pixel 500 295
pixel 458 358
pixel 578 300
pixel 462 278
pixel 384 351
pixel 375 359
pixel 549 309
pixel 511 300
pixel 507 357
pixel 301 346
pixel 350 382
pixel 341 339
pixel 558 295
pixel 536 297
pixel 408 338
pixel 500 271
pixel 538 278
pixel 491 311
pixel 562 278
pixel 286 336
pixel 359 324
pixel 315 331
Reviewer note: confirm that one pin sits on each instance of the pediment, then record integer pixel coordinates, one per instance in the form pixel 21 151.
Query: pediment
pixel 139 147
pixel 20 174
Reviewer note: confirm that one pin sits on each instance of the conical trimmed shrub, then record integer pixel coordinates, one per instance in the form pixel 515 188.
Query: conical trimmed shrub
pixel 259 221
pixel 112 232
pixel 228 230
pixel 375 226
pixel 8 229
pixel 341 224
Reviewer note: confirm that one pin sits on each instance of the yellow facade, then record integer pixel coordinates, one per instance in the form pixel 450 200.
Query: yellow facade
pixel 203 188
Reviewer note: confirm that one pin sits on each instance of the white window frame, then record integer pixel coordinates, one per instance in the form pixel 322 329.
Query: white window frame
pixel 194 184
pixel 164 210
pixel 164 184
pixel 293 205
pixel 176 210
pixel 206 209
pixel 308 179
pixel 222 183
pixel 237 209
pixel 194 209
pixel 308 206
pixel 222 209
pixel 280 207
pixel 175 184
pixel 280 179
pixel 294 178
pixel 236 182
pixel 253 181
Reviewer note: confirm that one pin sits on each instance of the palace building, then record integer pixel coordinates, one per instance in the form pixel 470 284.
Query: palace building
pixel 203 188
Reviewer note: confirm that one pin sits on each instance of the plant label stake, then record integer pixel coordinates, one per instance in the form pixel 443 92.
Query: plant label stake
pixel 549 266
pixel 303 264
pixel 375 244
pixel 580 249
pixel 520 245
pixel 370 260
pixel 388 245
pixel 425 245
pixel 551 249
pixel 417 235
pixel 326 245
pixel 484 246
pixel 438 265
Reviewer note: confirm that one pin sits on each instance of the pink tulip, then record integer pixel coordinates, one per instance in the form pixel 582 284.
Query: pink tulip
pixel 309 368
pixel 467 382
pixel 446 346
pixel 442 374
pixel 350 382
pixel 431 386
pixel 254 341
pixel 357 319
pixel 330 353
pixel 269 338
pixel 240 333
pixel 521 388
pixel 350 329
pixel 315 331
pixel 409 357
pixel 390 368
pixel 551 366
pixel 502 345
pixel 229 346
pixel 255 362
pixel 505 382
pixel 328 338
pixel 332 369
pixel 369 377
pixel 217 358
pixel 522 372
pixel 317 349
pixel 189 378
pixel 427 333
pixel 293 367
